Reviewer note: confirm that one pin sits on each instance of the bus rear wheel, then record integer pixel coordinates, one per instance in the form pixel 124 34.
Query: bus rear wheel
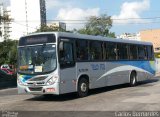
pixel 83 87
pixel 133 79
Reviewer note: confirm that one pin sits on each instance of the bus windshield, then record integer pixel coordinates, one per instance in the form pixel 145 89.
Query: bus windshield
pixel 37 59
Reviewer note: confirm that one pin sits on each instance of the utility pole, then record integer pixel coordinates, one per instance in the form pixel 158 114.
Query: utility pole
pixel 26 16
pixel 43 12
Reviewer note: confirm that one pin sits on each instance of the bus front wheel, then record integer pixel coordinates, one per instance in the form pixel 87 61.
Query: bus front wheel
pixel 133 79
pixel 83 87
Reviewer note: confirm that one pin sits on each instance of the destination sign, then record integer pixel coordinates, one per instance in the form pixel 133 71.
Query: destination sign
pixel 37 39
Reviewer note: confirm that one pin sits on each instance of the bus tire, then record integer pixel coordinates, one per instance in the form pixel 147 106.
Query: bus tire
pixel 133 79
pixel 83 87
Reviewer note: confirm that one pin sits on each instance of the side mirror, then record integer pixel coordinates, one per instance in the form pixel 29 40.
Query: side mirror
pixel 61 52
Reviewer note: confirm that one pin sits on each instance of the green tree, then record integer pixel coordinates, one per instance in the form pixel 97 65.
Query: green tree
pixel 8 52
pixel 111 34
pixel 50 28
pixel 98 26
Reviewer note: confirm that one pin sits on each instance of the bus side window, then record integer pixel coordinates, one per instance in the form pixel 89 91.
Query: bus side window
pixel 122 51
pixel 141 52
pixel 82 50
pixel 150 53
pixel 133 51
pixel 95 50
pixel 66 54
pixel 111 49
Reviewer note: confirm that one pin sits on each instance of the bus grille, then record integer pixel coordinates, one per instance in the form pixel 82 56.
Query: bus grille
pixel 35 83
pixel 40 78
pixel 35 88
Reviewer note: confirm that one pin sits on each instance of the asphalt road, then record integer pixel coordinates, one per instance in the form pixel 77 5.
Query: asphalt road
pixel 144 97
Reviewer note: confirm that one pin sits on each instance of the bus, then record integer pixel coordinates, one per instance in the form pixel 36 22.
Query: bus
pixel 61 62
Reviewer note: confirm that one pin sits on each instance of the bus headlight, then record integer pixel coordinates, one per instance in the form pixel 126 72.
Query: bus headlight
pixel 52 80
pixel 20 82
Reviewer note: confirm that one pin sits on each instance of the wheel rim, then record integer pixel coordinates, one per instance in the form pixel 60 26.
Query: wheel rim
pixel 83 87
pixel 134 80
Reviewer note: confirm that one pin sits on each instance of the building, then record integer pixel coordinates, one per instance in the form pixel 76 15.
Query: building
pixel 152 36
pixel 60 26
pixel 5 21
pixel 26 17
pixel 129 36
pixel 43 12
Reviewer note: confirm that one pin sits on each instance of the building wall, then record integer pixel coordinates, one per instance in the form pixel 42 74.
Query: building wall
pixel 5 28
pixel 130 36
pixel 157 65
pixel 61 26
pixel 26 17
pixel 151 36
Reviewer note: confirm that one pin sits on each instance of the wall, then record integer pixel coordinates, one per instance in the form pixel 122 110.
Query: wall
pixel 157 65
pixel 151 36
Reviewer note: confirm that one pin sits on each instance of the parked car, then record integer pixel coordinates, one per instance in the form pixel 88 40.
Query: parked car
pixel 7 71
pixel 5 66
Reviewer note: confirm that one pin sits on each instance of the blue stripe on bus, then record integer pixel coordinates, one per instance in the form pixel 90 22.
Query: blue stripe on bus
pixel 24 78
pixel 145 65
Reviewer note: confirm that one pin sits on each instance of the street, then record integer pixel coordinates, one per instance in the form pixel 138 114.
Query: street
pixel 144 97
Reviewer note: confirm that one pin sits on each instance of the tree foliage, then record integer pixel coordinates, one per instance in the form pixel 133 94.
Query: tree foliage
pixel 50 28
pixel 8 52
pixel 98 26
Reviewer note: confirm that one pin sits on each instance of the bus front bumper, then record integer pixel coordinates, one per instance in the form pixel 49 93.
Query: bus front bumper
pixel 39 90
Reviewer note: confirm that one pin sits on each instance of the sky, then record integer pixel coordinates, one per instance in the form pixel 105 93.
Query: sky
pixel 129 16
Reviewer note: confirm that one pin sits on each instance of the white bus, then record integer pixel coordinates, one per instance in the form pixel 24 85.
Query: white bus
pixel 59 63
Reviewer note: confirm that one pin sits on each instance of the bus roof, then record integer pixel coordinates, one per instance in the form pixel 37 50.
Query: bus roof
pixel 91 37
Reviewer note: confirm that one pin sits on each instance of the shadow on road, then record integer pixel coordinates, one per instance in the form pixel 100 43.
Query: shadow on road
pixel 73 96
pixel 148 82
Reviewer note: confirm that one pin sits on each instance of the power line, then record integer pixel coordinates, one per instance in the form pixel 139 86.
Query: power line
pixel 134 23
pixel 25 25
pixel 137 18
pixel 138 23
pixel 82 22
pixel 144 18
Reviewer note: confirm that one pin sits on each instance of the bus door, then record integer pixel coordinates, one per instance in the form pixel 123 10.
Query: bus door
pixel 67 66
